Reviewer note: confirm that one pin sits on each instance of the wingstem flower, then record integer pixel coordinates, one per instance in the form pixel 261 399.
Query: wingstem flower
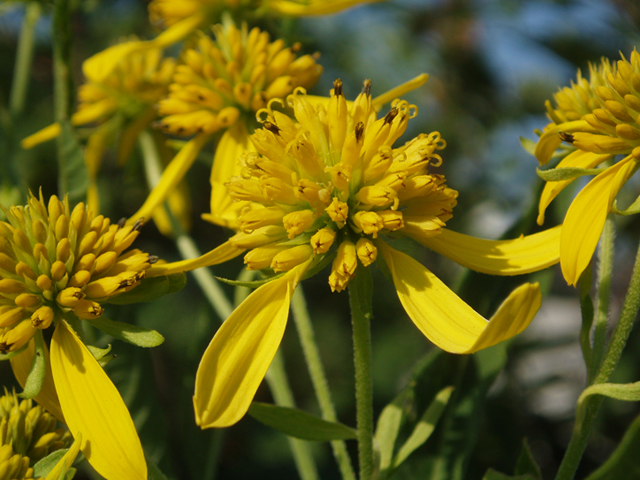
pixel 219 86
pixel 599 119
pixel 332 186
pixel 56 266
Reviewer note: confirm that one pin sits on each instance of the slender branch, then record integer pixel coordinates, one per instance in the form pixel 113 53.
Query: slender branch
pixel 318 378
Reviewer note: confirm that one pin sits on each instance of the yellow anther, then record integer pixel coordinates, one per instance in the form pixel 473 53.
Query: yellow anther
pixel 79 279
pixel 88 309
pixel 10 315
pixel 289 258
pixel 341 175
pixel 7 263
pixel 343 267
pixel 44 282
pixel 87 243
pixel 9 286
pixel 297 222
pixel 25 271
pixel 338 117
pixel 28 300
pixel 103 287
pixel 338 212
pixel 69 297
pixel 391 219
pixel 58 270
pixel 104 262
pixel 62 227
pixel 63 250
pixel 368 222
pixel 322 240
pixel 17 337
pixel 259 237
pixel 39 231
pixel 366 251
pixel 278 191
pixel 309 191
pixel 260 258
pixel 86 262
pixel 378 196
pixel 42 317
pixel 21 241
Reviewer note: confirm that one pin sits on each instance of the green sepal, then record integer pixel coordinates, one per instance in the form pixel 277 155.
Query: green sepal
pixel 568 173
pixel 425 426
pixel 495 475
pixel 526 464
pixel 299 424
pixel 134 334
pixel 150 289
pixel 35 379
pixel 249 283
pixel 101 354
pixel 73 173
pixel 630 210
pixel 529 145
pixel 42 468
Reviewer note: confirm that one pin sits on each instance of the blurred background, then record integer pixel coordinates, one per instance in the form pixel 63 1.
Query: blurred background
pixel 492 65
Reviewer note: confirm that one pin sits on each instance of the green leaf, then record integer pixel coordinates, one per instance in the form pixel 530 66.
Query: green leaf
pixel 526 463
pixel 73 174
pixel 134 334
pixel 568 173
pixel 495 475
pixel 299 424
pixel 35 378
pixel 629 392
pixel 529 145
pixel 624 461
pixel 42 468
pixel 154 472
pixel 425 426
pixel 630 210
pixel 150 289
pixel 249 283
pixel 388 427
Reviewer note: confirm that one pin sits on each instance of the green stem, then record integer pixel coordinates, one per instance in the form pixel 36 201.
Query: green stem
pixel 276 376
pixel 582 429
pixel 24 59
pixel 62 83
pixel 360 300
pixel 605 254
pixel 318 377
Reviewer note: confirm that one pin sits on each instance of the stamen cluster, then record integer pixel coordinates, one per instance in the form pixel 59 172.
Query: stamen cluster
pixel 237 73
pixel 56 262
pixel 334 180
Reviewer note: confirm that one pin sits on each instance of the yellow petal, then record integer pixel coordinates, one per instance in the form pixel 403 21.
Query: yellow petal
pixel 48 398
pixel 314 7
pixel 448 321
pixel 171 176
pixel 100 65
pixel 577 159
pixel 549 141
pixel 94 409
pixel 585 218
pixel 240 353
pixel 495 257
pixel 233 143
pixel 399 91
pixel 221 254
pixel 66 461
pixel 178 31
pixel 44 135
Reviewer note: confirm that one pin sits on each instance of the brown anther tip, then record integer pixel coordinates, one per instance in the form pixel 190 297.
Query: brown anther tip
pixel 566 137
pixel 337 87
pixel 366 87
pixel 4 347
pixel 122 222
pixel 153 259
pixel 359 131
pixel 393 113
pixel 139 224
pixel 296 47
pixel 272 127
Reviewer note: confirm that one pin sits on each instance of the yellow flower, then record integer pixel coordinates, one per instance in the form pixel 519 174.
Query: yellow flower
pixel 331 185
pixel 599 119
pixel 56 266
pixel 220 85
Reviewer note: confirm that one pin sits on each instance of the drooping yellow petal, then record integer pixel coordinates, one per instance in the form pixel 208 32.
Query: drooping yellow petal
pixel 399 91
pixel 240 353
pixel 94 409
pixel 577 159
pixel 549 141
pixel 171 176
pixel 41 136
pixel 178 31
pixel 48 398
pixel 314 7
pixel 585 218
pixel 448 321
pixel 221 254
pixel 495 257
pixel 233 143
pixel 64 464
pixel 99 66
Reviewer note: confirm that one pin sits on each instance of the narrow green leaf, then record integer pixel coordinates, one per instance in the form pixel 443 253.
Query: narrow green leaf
pixel 248 284
pixel 630 210
pixel 42 468
pixel 74 173
pixel 150 289
pixel 526 463
pixel 154 472
pixel 495 475
pixel 529 145
pixel 624 461
pixel 568 173
pixel 35 378
pixel 299 424
pixel 425 426
pixel 388 427
pixel 629 392
pixel 99 353
pixel 134 334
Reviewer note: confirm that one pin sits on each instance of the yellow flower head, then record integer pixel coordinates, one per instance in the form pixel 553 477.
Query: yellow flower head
pixel 333 179
pixel 15 465
pixel 599 118
pixel 235 75
pixel 55 262
pixel 29 429
pixel 137 83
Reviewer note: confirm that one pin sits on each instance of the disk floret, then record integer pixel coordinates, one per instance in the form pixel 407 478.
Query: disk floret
pixel 332 183
pixel 55 262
